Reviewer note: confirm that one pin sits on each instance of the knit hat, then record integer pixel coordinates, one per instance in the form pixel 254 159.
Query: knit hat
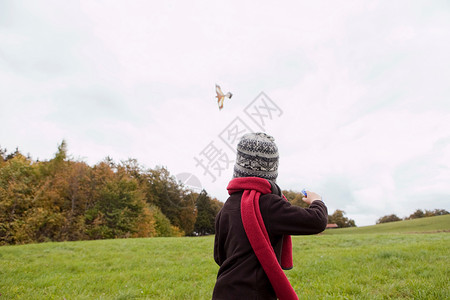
pixel 257 156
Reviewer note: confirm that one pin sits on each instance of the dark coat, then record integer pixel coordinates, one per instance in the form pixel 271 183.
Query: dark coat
pixel 240 275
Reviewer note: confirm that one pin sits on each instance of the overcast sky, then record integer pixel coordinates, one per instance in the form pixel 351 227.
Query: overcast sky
pixel 355 93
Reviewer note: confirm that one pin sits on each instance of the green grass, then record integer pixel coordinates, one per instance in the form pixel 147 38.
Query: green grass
pixel 372 266
pixel 390 265
pixel 154 268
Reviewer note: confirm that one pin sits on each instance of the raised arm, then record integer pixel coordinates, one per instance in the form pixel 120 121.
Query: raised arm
pixel 281 217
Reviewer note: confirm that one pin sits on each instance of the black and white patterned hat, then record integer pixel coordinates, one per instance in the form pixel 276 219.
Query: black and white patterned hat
pixel 257 156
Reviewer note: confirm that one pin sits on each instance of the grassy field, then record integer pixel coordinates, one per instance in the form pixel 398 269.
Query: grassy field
pixel 422 225
pixel 356 264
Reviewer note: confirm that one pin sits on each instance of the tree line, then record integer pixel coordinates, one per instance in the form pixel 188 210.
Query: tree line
pixel 419 213
pixel 66 200
pixel 62 199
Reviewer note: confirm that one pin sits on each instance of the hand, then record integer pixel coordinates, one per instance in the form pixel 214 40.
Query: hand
pixel 311 197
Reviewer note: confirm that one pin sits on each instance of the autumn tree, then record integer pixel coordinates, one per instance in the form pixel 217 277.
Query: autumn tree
pixel 163 227
pixel 388 218
pixel 48 216
pixel 117 204
pixel 188 212
pixel 419 213
pixel 18 182
pixel 440 212
pixel 338 217
pixel 2 156
pixel 205 214
pixel 162 190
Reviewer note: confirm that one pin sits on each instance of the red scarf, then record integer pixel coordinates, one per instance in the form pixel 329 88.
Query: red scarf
pixel 257 234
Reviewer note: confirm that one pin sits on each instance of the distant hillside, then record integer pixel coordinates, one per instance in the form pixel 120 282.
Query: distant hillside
pixel 422 225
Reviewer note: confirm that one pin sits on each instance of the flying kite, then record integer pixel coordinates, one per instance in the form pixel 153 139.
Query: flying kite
pixel 221 96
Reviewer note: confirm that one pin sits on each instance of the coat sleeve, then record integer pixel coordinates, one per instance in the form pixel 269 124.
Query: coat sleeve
pixel 281 217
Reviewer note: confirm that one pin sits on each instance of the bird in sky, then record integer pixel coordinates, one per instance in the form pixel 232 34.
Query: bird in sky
pixel 221 96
